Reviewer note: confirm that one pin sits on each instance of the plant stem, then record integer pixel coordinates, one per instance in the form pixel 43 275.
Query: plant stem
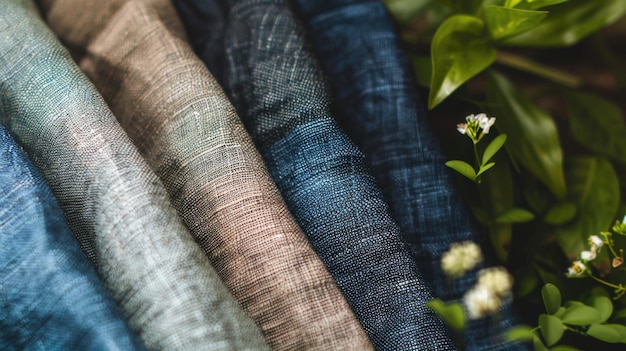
pixel 524 64
pixel 612 250
pixel 605 282
pixel 477 162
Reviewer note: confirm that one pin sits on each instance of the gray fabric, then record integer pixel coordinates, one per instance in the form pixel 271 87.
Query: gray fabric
pixel 181 121
pixel 114 203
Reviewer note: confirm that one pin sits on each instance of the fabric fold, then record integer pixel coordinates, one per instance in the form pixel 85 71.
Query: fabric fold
pixel 282 97
pixel 377 96
pixel 50 296
pixel 115 205
pixel 183 124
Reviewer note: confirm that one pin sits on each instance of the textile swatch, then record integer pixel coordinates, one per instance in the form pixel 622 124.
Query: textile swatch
pixel 282 97
pixel 50 296
pixel 183 124
pixel 115 205
pixel 372 80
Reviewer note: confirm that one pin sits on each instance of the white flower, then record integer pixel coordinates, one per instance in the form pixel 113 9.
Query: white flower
pixel 480 301
pixel 462 128
pixel 460 258
pixel 595 240
pixel 471 118
pixel 577 269
pixel 476 127
pixel 495 279
pixel 485 123
pixel 588 255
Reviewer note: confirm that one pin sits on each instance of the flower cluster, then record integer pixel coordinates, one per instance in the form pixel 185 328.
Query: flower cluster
pixel 486 297
pixel 476 127
pixel 579 267
pixel 620 228
pixel 493 285
pixel 460 258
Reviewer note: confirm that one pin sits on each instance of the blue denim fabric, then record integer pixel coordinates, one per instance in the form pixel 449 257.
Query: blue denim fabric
pixel 372 80
pixel 281 95
pixel 50 296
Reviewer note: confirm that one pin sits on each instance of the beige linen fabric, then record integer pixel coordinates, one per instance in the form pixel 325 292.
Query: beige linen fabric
pixel 183 124
pixel 114 203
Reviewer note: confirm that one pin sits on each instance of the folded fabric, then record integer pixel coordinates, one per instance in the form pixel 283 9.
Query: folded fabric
pixel 50 296
pixel 279 91
pixel 114 204
pixel 360 50
pixel 181 121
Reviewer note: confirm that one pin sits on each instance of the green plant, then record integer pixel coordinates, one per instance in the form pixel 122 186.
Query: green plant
pixel 559 177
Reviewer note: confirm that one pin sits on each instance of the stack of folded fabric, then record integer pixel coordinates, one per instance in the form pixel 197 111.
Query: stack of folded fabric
pixel 277 86
pixel 223 208
pixel 114 204
pixel 183 124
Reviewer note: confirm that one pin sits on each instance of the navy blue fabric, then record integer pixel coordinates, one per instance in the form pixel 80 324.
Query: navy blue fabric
pixel 372 80
pixel 50 296
pixel 283 99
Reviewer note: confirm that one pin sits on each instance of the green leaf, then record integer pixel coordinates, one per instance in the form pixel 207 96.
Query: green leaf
pixel 551 298
pixel 532 134
pixel 459 51
pixel 536 198
pixel 520 333
pixel 512 3
pixel 537 4
pixel 594 188
pixel 560 312
pixel 485 168
pixel 463 167
pixel 569 22
pixel 605 332
pixel 538 344
pixel 561 213
pixel 493 147
pixel 564 348
pixel 551 329
pixel 451 313
pixel 604 305
pixel 620 315
pixel 597 124
pixel 525 283
pixel 503 23
pixel 580 314
pixel 515 215
pixel 621 329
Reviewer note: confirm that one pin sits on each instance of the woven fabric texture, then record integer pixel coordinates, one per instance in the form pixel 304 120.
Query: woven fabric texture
pixel 183 124
pixel 279 91
pixel 372 80
pixel 114 204
pixel 50 296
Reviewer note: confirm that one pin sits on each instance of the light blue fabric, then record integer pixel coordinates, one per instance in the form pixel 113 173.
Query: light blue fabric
pixel 50 296
pixel 282 97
